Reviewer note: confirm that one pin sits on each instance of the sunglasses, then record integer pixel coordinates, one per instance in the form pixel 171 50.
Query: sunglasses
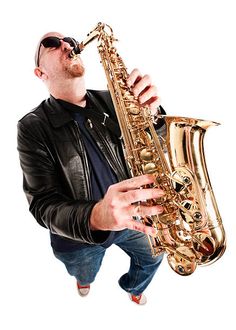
pixel 55 42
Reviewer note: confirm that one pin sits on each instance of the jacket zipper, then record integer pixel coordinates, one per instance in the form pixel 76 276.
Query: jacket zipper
pixel 84 160
pixel 94 131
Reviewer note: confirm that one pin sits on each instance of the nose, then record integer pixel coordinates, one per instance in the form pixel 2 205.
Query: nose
pixel 65 45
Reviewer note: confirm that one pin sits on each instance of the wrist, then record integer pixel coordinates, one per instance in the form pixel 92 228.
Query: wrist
pixel 93 216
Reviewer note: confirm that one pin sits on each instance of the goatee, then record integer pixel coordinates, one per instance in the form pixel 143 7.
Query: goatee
pixel 75 70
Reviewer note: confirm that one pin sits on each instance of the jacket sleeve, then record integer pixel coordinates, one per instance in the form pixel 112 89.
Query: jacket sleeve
pixel 50 207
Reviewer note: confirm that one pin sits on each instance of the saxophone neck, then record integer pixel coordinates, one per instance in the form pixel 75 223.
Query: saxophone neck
pixel 96 33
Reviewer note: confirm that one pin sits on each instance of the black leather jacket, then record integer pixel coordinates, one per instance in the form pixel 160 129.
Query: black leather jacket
pixel 56 177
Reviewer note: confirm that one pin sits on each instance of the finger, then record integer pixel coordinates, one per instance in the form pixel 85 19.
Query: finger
pixel 138 195
pixel 134 77
pixel 138 226
pixel 154 103
pixel 134 183
pixel 141 86
pixel 144 210
pixel 148 94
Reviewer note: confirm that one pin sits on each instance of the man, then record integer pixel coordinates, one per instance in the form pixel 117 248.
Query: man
pixel 74 172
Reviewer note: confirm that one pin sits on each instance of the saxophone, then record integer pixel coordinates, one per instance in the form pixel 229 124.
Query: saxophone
pixel 190 229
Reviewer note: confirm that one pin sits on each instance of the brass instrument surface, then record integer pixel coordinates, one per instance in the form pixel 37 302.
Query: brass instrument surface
pixel 190 229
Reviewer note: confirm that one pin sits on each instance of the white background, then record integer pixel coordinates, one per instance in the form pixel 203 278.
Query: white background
pixel 188 47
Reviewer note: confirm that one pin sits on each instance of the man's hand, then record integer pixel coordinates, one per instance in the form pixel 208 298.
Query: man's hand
pixel 143 89
pixel 116 210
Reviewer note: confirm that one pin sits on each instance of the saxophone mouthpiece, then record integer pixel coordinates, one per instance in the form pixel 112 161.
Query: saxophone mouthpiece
pixel 75 51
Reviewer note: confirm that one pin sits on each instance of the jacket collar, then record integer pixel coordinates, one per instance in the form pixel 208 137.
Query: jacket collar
pixel 58 116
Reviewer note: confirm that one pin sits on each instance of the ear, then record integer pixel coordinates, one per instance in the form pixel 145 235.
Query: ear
pixel 40 74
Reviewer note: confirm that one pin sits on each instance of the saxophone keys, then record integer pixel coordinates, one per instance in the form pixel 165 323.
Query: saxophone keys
pixel 149 168
pixel 133 109
pixel 182 261
pixel 146 155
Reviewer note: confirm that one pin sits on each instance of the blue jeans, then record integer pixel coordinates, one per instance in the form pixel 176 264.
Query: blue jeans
pixel 85 262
